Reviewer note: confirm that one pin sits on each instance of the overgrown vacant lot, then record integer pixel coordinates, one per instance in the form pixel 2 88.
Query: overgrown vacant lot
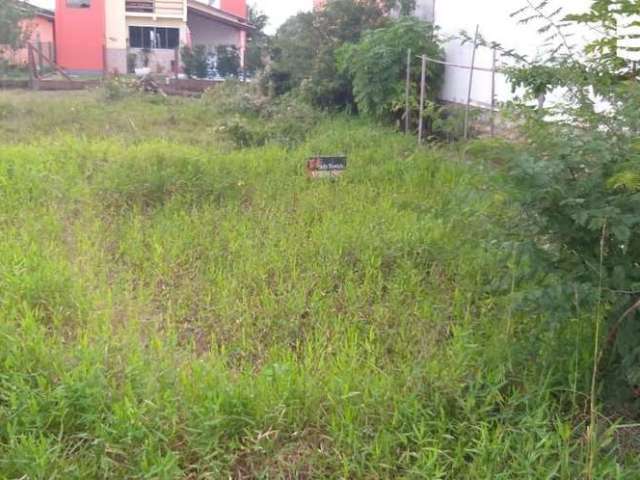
pixel 174 307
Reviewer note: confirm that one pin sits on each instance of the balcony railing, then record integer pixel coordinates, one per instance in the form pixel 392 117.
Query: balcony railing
pixel 158 8
pixel 140 6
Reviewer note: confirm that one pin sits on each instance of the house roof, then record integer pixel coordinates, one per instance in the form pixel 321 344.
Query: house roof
pixel 43 12
pixel 219 15
pixel 37 11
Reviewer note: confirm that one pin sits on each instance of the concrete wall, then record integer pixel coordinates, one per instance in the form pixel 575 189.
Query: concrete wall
pixel 80 36
pixel 159 60
pixel 496 24
pixel 235 7
pixel 116 34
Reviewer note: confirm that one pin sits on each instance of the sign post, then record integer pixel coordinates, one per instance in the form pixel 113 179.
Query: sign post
pixel 326 167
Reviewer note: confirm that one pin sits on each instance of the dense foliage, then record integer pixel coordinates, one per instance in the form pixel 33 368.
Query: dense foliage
pixel 306 48
pixel 227 61
pixel 377 66
pixel 577 178
pixel 195 61
pixel 257 42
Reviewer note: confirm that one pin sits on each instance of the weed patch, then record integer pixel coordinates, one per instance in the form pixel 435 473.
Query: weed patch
pixel 184 308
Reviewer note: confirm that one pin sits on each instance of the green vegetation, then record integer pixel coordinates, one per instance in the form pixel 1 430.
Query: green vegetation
pixel 377 66
pixel 172 306
pixel 305 50
pixel 194 61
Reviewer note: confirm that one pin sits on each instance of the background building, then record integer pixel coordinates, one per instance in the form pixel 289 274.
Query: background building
pixel 40 32
pixel 97 35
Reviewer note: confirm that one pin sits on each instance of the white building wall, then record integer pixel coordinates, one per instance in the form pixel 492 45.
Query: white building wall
pixel 496 25
pixel 424 10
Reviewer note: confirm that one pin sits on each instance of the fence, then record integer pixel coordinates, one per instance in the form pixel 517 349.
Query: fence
pixel 45 74
pixel 19 58
pixel 473 70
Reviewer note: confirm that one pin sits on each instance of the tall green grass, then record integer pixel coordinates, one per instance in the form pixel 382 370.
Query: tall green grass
pixel 178 309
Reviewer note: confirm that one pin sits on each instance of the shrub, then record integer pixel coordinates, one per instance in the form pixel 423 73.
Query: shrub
pixel 244 132
pixel 286 120
pixel 227 61
pixel 194 61
pixel 290 119
pixel 377 65
pixel 233 97
pixel 119 87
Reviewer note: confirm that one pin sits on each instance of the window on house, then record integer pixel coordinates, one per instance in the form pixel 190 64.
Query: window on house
pixel 79 3
pixel 154 37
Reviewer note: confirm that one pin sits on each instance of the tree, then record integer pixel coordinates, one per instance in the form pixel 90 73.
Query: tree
pixel 12 12
pixel 292 52
pixel 578 179
pixel 303 52
pixel 377 64
pixel 340 22
pixel 257 42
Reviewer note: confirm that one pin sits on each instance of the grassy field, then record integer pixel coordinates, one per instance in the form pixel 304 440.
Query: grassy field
pixel 174 307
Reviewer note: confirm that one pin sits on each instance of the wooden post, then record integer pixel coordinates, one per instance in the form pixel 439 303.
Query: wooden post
pixel 493 93
pixel 33 74
pixel 105 67
pixel 52 64
pixel 473 64
pixel 407 107
pixel 39 44
pixel 423 88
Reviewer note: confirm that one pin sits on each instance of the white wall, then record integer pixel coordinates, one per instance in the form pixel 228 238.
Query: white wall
pixel 496 25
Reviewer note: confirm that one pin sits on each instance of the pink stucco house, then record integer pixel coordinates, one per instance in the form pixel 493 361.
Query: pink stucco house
pixel 40 32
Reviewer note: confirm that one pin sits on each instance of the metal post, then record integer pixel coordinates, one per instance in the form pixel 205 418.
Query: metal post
pixel 473 64
pixel 407 109
pixel 176 62
pixel 493 93
pixel 423 85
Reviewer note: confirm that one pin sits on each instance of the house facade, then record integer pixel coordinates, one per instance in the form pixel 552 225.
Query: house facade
pixel 39 32
pixel 115 35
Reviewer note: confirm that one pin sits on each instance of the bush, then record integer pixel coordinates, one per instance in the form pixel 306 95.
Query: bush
pixel 286 121
pixel 290 119
pixel 377 65
pixel 244 132
pixel 233 97
pixel 577 181
pixel 195 62
pixel 119 87
pixel 227 61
